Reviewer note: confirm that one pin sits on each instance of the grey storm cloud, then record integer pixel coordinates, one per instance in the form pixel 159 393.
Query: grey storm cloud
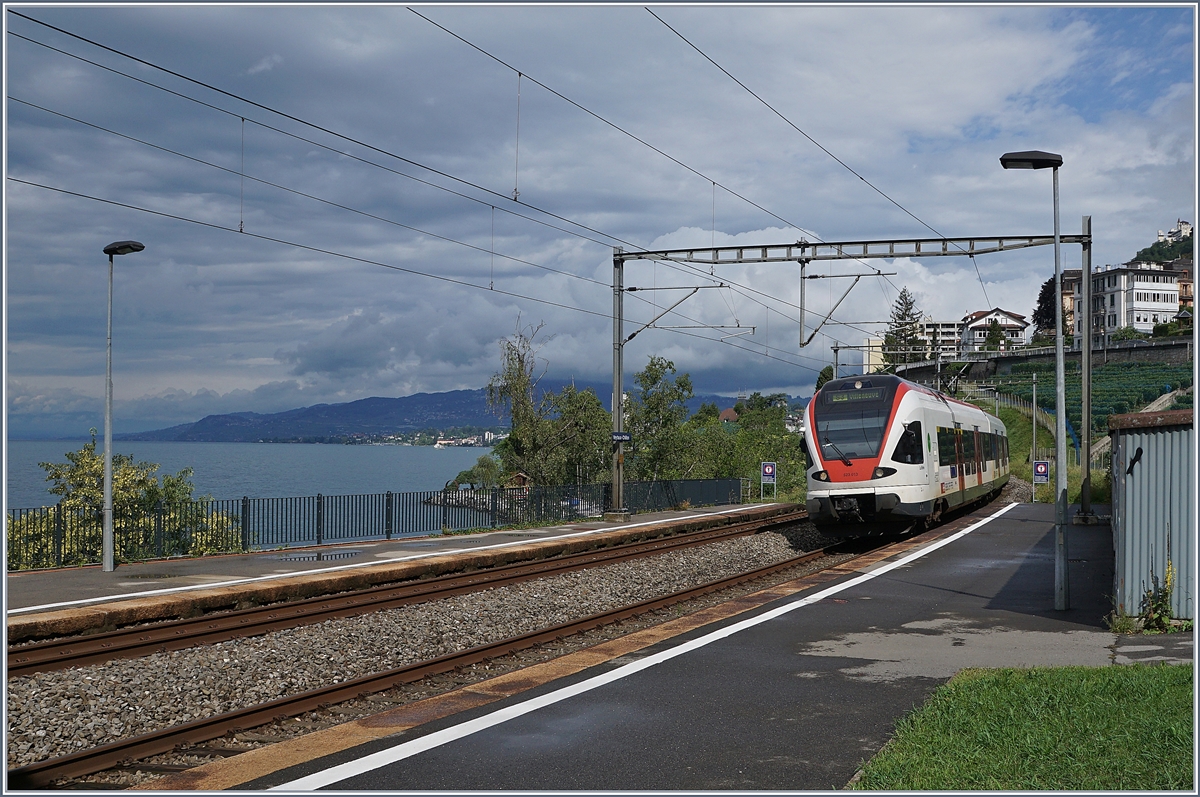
pixel 286 265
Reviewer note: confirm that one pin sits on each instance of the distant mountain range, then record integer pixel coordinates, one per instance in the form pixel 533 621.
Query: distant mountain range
pixel 369 416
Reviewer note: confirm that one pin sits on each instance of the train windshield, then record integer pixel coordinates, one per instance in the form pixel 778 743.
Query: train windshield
pixel 851 416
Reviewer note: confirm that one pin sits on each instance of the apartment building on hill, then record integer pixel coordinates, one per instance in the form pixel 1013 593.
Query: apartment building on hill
pixel 1137 295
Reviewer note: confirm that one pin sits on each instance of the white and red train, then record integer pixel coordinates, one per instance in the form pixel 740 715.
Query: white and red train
pixel 885 453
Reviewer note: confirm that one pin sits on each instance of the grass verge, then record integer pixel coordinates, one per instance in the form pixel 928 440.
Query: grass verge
pixel 1089 728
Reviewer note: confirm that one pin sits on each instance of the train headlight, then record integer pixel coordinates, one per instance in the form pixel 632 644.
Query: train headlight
pixel 821 475
pixel 882 472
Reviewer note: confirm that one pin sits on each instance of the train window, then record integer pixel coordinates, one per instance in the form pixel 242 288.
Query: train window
pixel 968 445
pixel 946 453
pixel 908 448
pixel 851 416
pixel 945 445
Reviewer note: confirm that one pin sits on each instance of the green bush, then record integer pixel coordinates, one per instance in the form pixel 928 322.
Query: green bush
pixel 152 516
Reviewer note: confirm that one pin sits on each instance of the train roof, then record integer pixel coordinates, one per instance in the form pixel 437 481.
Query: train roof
pixel 892 381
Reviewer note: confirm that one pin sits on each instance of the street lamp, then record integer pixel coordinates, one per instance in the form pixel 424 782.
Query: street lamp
pixel 1047 160
pixel 117 248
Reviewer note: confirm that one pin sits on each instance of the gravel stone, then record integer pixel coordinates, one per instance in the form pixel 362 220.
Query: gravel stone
pixel 1016 490
pixel 55 713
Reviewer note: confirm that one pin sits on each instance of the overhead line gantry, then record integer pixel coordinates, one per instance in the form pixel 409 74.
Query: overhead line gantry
pixel 801 252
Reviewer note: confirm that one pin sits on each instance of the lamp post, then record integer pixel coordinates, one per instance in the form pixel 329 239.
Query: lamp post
pixel 117 248
pixel 1047 160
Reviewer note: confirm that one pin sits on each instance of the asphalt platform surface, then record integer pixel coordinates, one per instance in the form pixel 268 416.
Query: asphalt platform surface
pixel 795 702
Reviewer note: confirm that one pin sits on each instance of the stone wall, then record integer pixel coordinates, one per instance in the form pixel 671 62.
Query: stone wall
pixel 1171 350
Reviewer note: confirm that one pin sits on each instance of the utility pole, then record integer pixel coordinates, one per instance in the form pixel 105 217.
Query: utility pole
pixel 618 510
pixel 1062 584
pixel 1085 514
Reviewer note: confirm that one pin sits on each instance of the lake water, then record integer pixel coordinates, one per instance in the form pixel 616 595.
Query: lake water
pixel 258 470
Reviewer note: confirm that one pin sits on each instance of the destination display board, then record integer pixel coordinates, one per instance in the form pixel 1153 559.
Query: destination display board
pixel 845 396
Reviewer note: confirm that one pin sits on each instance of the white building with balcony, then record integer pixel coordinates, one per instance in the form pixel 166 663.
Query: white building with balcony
pixel 975 328
pixel 1137 295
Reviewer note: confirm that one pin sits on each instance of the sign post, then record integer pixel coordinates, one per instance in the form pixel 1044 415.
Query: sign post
pixel 768 477
pixel 1041 474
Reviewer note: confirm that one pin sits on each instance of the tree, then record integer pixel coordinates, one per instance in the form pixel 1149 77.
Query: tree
pixel 514 390
pixel 486 472
pixel 579 441
pixel 763 437
pixel 657 410
pixel 903 342
pixel 708 412
pixel 995 337
pixel 136 490
pixel 553 438
pixel 823 377
pixel 152 516
pixel 1165 251
pixel 1043 314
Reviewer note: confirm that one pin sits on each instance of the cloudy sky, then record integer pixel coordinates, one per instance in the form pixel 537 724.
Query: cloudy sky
pixel 370 158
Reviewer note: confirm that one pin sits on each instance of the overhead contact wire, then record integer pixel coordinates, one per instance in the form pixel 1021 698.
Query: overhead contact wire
pixel 383 151
pixel 676 266
pixel 306 195
pixel 816 143
pixel 368 261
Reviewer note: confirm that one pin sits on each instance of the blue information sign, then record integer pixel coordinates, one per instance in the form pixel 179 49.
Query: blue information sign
pixel 622 437
pixel 1041 472
pixel 768 473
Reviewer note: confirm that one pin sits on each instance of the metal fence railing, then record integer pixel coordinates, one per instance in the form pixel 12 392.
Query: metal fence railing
pixel 59 537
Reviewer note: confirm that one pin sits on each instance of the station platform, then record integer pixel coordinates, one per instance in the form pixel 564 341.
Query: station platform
pixel 71 600
pixel 792 688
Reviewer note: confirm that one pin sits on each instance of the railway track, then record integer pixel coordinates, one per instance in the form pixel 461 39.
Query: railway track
pixel 122 753
pixel 139 641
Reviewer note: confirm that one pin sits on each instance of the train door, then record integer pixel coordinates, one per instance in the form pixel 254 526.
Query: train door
pixel 980 457
pixel 959 459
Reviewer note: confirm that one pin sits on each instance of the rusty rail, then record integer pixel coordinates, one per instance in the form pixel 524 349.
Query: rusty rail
pixel 180 634
pixel 105 756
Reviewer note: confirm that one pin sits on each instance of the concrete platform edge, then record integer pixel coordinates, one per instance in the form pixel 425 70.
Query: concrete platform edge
pixel 128 611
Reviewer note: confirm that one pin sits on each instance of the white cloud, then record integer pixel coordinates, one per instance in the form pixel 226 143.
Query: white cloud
pixel 266 64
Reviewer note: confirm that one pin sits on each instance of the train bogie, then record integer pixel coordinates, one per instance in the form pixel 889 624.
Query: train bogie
pixel 886 454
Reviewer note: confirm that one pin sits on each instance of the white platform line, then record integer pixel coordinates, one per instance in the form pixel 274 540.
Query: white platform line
pixel 430 741
pixel 337 568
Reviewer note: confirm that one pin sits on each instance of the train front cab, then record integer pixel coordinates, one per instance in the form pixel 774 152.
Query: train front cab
pixel 885 454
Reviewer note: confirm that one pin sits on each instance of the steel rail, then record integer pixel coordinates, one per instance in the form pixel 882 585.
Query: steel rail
pixel 97 759
pixel 190 632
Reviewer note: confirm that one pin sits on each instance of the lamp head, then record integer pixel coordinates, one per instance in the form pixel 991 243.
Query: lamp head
pixel 123 248
pixel 1032 159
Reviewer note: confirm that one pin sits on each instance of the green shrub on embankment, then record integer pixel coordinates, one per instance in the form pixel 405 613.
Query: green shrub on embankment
pixel 1082 728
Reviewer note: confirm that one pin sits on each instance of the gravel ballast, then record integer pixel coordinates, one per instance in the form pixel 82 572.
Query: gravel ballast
pixel 55 713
